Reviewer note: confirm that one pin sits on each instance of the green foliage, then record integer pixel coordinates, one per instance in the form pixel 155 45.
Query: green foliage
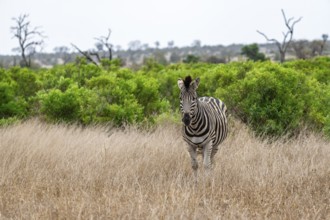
pixel 150 64
pixel 127 97
pixel 111 65
pixel 191 59
pixel 318 68
pixel 118 103
pixel 269 99
pixel 14 91
pixel 10 104
pixel 8 121
pixel 26 80
pixel 273 99
pixel 252 52
pixel 60 106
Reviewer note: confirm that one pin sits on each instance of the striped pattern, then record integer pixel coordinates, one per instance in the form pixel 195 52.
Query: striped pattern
pixel 205 123
pixel 208 123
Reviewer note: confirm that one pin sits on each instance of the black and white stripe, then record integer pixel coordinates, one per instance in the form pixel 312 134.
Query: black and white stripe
pixel 205 123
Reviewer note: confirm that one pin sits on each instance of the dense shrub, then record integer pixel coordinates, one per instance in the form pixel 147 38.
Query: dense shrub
pixel 273 99
pixel 270 99
pixel 10 104
pixel 128 97
pixel 26 80
pixel 13 101
pixel 56 105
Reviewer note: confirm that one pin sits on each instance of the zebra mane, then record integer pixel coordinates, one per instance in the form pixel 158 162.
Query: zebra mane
pixel 187 82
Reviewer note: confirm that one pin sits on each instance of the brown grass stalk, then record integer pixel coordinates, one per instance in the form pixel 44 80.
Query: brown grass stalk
pixel 68 172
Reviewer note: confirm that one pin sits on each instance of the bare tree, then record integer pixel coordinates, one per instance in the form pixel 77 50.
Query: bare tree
pixel 135 45
pixel 87 54
pixel 287 36
pixel 102 42
pixel 29 38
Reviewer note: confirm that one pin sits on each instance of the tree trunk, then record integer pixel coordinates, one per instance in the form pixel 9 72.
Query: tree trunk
pixel 282 56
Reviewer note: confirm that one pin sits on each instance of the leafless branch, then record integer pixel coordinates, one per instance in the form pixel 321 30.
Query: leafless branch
pixel 96 55
pixel 26 37
pixel 287 36
pixel 104 40
pixel 85 54
pixel 101 41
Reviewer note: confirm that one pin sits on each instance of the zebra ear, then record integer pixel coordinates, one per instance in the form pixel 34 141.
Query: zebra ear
pixel 194 84
pixel 180 83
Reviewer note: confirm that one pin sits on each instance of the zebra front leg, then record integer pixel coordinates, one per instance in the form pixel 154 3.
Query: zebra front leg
pixel 214 151
pixel 193 156
pixel 207 151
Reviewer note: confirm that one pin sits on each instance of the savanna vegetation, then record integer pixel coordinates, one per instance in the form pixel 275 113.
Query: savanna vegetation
pixel 272 99
pixel 103 142
pixel 72 172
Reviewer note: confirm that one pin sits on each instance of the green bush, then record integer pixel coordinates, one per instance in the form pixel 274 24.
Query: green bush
pixel 125 91
pixel 10 104
pixel 270 99
pixel 27 81
pixel 273 99
pixel 67 106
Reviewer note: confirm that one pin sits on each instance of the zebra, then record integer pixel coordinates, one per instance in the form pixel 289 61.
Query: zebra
pixel 204 123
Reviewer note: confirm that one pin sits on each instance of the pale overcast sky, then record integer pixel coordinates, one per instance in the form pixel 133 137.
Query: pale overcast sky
pixel 213 22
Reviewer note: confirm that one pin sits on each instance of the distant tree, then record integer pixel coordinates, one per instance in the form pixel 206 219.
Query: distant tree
pixel 170 44
pixel 252 52
pixel 118 47
pixel 191 59
pixel 196 43
pixel 316 48
pixel 215 60
pixel 174 58
pixel 324 38
pixel 305 49
pixel 99 46
pixel 157 44
pixel 63 51
pixel 145 46
pixel 287 36
pixel 29 38
pixel 135 45
pixel 160 57
pixel 301 49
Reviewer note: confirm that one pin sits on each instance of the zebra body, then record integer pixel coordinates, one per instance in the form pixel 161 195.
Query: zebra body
pixel 205 122
pixel 209 118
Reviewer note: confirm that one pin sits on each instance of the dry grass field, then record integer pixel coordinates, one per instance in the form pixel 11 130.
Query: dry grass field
pixel 69 172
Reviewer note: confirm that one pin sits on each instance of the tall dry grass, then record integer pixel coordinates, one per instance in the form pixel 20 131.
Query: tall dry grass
pixel 67 172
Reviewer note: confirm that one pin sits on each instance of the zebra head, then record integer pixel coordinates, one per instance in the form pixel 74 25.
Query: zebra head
pixel 188 98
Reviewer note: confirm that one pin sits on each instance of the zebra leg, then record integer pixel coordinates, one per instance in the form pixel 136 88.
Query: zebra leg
pixel 193 156
pixel 214 151
pixel 207 151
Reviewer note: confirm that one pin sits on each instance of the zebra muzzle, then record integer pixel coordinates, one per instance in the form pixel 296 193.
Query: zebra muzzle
pixel 186 119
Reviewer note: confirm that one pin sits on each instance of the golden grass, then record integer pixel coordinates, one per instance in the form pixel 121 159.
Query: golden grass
pixel 67 172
